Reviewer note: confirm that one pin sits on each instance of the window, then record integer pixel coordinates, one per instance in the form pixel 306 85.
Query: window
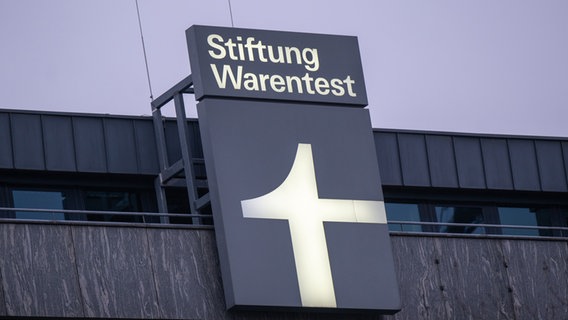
pixel 460 215
pixel 41 199
pixel 492 217
pixel 77 200
pixel 403 212
pixel 526 217
pixel 118 201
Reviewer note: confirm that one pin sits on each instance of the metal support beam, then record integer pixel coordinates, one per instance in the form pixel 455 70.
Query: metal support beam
pixel 160 139
pixel 171 171
pixel 161 200
pixel 183 86
pixel 202 201
pixel 170 174
pixel 186 153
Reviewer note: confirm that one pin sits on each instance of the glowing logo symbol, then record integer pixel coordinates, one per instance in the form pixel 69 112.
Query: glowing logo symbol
pixel 297 201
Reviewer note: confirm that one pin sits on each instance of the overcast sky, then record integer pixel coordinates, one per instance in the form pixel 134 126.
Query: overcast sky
pixel 486 66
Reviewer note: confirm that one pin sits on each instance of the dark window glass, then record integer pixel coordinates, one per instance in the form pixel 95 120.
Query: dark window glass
pixel 403 212
pixel 525 217
pixel 119 201
pixel 465 215
pixel 563 213
pixel 178 202
pixel 39 199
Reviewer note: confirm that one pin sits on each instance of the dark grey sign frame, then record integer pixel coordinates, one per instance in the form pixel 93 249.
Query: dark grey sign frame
pixel 339 64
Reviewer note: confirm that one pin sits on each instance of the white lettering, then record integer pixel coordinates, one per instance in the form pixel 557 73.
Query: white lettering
pixel 337 87
pixel 277 83
pixel 322 86
pixel 227 71
pixel 350 83
pixel 250 49
pixel 211 43
pixel 238 79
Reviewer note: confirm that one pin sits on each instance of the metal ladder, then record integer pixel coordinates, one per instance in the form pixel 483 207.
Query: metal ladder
pixel 182 172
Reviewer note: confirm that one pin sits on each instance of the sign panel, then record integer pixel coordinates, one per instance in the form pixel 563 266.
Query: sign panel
pixel 259 64
pixel 298 207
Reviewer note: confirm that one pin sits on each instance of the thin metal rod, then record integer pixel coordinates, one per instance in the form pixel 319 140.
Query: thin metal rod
pixel 144 51
pixel 231 13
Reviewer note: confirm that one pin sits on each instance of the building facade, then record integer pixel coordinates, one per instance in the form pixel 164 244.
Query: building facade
pixel 478 223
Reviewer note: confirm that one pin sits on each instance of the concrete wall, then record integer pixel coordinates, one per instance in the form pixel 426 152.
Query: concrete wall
pixel 118 272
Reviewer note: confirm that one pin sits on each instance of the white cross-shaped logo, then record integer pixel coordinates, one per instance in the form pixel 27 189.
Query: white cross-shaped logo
pixel 297 201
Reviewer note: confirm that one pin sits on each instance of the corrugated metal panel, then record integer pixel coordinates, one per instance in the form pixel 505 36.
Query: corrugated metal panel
pixel 90 144
pixel 58 141
pixel 389 161
pixel 497 164
pixel 469 162
pixel 172 142
pixel 28 142
pixel 5 142
pixel 120 146
pixel 195 139
pixel 146 147
pixel 551 165
pixel 524 165
pixel 413 160
pixel 442 161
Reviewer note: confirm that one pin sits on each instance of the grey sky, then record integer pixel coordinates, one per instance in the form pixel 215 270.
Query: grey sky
pixel 470 66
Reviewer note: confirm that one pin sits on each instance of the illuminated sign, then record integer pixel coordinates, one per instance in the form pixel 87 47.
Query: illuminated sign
pixel 292 171
pixel 296 200
pixel 261 64
pixel 298 208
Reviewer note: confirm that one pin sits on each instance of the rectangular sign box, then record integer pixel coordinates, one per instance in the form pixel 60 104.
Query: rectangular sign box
pixel 298 207
pixel 275 65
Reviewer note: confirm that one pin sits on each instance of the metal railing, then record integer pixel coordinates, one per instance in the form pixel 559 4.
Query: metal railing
pixel 482 230
pixel 205 221
pixel 117 218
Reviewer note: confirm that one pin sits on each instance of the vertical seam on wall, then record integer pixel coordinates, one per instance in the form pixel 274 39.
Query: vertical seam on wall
pixel 105 149
pixel 430 183
pixel 44 151
pixel 11 141
pixel 438 256
pixel 507 275
pixel 77 270
pixel 136 148
pixel 482 163
pixel 75 163
pixel 456 161
pixel 159 315
pixel 399 159
pixel 511 164
pixel 564 164
pixel 535 152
